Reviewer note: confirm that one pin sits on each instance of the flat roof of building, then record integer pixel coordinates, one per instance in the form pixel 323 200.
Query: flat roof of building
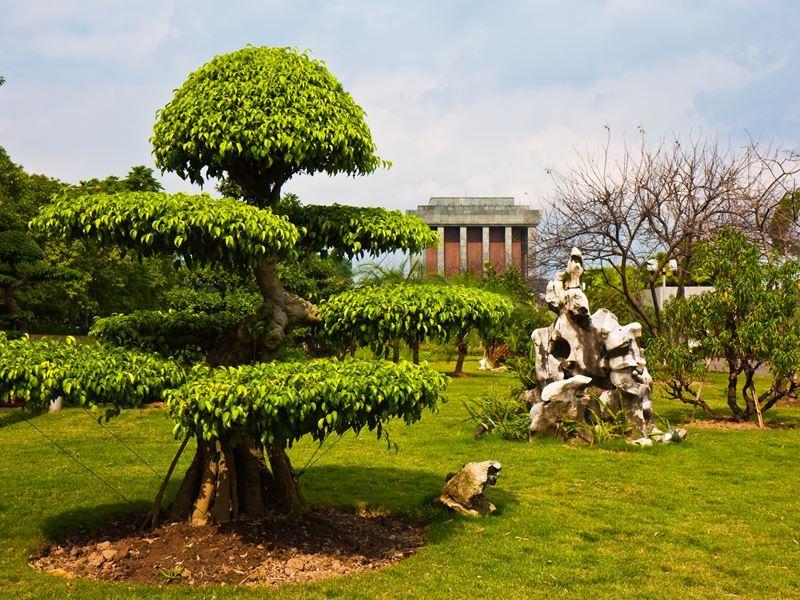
pixel 471 201
pixel 476 210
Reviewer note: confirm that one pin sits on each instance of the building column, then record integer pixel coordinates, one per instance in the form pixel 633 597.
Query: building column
pixel 509 260
pixel 462 249
pixel 530 267
pixel 485 245
pixel 440 252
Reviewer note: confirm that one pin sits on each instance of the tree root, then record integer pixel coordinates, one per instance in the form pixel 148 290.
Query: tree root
pixel 224 483
pixel 151 519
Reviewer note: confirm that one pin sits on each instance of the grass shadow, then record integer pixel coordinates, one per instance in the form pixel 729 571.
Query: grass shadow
pixel 412 493
pixel 11 416
pixel 83 521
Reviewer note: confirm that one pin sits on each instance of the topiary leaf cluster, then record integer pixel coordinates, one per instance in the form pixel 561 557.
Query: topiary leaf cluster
pixel 195 227
pixel 40 371
pixel 353 231
pixel 261 115
pixel 373 316
pixel 281 402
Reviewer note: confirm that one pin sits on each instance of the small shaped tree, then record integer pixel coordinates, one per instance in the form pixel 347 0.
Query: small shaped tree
pixel 257 117
pixel 378 316
pixel 751 319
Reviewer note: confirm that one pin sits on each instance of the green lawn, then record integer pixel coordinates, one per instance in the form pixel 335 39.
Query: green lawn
pixel 718 516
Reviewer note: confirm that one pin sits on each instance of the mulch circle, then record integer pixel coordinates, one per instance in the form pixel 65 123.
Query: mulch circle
pixel 324 543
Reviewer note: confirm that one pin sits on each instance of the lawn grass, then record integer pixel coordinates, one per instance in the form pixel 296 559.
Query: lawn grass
pixel 717 516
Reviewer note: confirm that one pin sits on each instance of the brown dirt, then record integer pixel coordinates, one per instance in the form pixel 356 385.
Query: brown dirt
pixel 737 425
pixel 324 543
pixel 793 402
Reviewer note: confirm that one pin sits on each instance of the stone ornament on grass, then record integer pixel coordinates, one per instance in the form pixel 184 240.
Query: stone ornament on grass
pixel 464 489
pixel 582 350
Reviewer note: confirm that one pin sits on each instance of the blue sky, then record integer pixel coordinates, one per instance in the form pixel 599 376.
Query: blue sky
pixel 475 97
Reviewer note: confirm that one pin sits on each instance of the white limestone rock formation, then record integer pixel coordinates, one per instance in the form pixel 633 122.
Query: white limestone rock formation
pixel 561 401
pixel 464 489
pixel 581 350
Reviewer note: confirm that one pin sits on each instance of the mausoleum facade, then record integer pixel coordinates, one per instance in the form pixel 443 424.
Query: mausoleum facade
pixel 474 230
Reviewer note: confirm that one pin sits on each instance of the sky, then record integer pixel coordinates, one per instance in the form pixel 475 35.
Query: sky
pixel 465 98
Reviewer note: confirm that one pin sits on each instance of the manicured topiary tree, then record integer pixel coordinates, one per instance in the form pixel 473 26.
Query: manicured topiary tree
pixel 257 117
pixel 377 316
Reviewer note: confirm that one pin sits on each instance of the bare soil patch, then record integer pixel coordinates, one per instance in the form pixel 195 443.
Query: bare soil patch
pixel 793 402
pixel 324 543
pixel 737 425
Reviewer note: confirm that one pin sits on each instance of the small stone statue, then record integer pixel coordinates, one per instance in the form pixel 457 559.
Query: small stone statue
pixel 464 489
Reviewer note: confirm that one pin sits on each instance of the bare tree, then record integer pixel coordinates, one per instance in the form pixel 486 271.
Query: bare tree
pixel 657 204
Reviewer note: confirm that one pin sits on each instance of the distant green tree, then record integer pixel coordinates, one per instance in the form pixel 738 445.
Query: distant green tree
pixel 141 179
pixel 51 285
pixel 751 319
pixel 603 291
pixel 784 225
pixel 21 256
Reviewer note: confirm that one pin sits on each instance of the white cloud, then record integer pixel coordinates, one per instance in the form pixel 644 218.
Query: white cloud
pixel 486 141
pixel 458 102
pixel 106 31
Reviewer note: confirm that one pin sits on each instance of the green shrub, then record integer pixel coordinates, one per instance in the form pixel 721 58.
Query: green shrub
pixel 500 414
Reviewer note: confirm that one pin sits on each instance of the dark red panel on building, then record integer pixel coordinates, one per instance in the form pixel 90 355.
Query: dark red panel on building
pixel 516 248
pixel 475 250
pixel 452 251
pixel 432 260
pixel 497 248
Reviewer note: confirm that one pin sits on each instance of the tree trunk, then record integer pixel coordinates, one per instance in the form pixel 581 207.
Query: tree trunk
pixel 733 381
pixel 287 495
pixel 260 336
pixel 414 352
pixel 396 351
pixel 226 480
pixel 223 482
pixel 10 300
pixel 748 394
pixel 461 345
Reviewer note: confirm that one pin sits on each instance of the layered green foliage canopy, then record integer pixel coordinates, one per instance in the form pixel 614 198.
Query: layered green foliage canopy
pixel 165 331
pixel 376 315
pixel 353 231
pixel 39 371
pixel 205 229
pixel 260 115
pixel 196 227
pixel 281 402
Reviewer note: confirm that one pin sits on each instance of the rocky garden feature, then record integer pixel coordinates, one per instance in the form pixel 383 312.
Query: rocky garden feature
pixel 590 370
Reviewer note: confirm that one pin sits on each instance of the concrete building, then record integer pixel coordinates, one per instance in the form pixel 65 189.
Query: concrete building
pixel 474 230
